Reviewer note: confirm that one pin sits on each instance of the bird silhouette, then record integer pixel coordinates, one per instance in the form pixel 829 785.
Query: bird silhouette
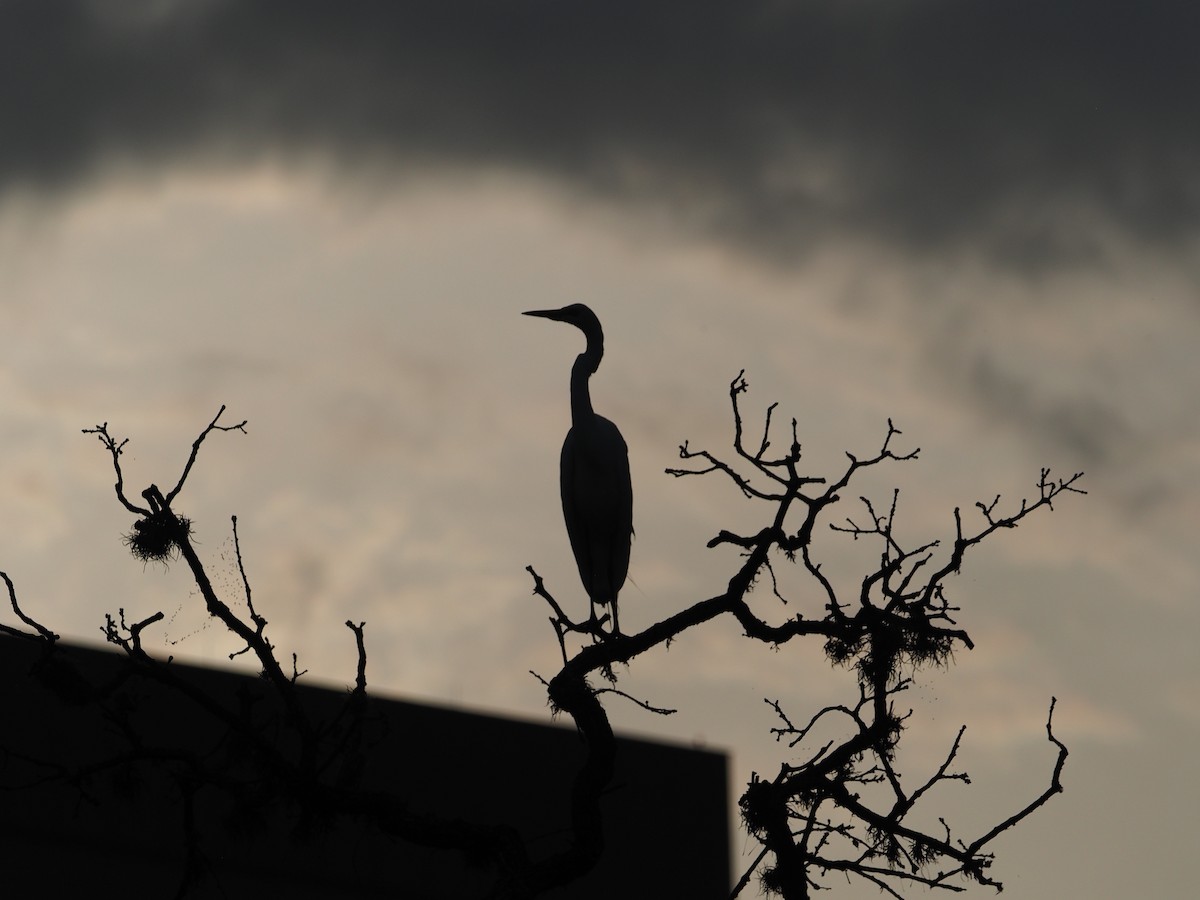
pixel 597 493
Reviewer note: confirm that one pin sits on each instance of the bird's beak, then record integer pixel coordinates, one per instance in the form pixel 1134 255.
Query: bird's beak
pixel 555 314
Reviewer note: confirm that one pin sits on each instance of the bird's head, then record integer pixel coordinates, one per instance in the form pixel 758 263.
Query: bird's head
pixel 576 314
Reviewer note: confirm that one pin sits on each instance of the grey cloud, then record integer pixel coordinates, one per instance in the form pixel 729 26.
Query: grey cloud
pixel 1013 128
pixel 1093 432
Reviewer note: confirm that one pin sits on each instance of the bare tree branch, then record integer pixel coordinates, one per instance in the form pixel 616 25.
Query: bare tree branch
pixel 838 806
pixel 187 468
pixel 43 633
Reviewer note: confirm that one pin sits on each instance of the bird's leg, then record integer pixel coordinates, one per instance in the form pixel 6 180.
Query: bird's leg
pixel 595 623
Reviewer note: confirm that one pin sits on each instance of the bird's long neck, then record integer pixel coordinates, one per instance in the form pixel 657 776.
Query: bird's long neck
pixel 585 364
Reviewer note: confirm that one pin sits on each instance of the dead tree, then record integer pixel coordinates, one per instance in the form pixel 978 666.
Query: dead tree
pixel 810 819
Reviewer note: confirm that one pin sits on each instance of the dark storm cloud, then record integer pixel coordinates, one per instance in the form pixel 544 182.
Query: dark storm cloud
pixel 1011 126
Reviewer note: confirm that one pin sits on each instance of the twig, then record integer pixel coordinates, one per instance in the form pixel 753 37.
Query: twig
pixel 259 622
pixel 187 468
pixel 360 678
pixel 115 450
pixel 44 633
pixel 661 710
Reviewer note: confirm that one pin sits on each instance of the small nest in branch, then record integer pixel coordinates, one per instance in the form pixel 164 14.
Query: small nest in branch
pixel 895 640
pixel 156 537
pixel 841 648
pixel 756 805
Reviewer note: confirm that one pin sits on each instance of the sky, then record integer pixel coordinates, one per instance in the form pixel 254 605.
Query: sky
pixel 978 219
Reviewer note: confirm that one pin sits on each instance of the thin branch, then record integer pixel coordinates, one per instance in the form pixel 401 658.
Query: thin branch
pixel 259 622
pixel 745 879
pixel 1055 787
pixel 940 774
pixel 715 465
pixel 212 426
pixel 360 678
pixel 115 450
pixel 661 710
pixel 43 632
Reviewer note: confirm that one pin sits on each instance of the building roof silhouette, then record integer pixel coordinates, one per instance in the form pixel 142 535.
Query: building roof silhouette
pixel 119 831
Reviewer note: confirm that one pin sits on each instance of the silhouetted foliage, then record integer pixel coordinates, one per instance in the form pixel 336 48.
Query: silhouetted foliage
pixel 813 818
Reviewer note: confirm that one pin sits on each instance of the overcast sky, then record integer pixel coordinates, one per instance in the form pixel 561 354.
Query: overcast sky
pixel 979 219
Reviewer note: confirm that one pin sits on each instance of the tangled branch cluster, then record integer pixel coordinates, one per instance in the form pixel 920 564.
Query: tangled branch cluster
pixel 277 752
pixel 810 818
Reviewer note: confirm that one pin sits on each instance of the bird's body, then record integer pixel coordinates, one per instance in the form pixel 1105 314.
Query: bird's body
pixel 597 493
pixel 597 506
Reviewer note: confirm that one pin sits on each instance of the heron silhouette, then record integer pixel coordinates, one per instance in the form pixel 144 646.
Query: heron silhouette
pixel 597 493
